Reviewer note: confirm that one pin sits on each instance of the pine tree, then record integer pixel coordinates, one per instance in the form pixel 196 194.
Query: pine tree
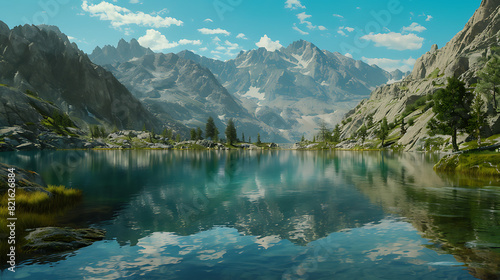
pixel 403 126
pixel 231 134
pixel 336 134
pixel 170 134
pixel 452 107
pixel 199 134
pixel 323 132
pixel 383 131
pixel 211 131
pixel 303 139
pixel 478 118
pixel 178 138
pixel 258 139
pixel 490 78
pixel 243 137
pixel 250 139
pixel 362 133
pixel 192 133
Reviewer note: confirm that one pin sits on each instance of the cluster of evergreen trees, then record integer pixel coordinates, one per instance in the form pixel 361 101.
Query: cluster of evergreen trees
pixel 212 133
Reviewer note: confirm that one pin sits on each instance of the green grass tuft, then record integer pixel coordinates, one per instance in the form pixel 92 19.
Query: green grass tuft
pixel 478 164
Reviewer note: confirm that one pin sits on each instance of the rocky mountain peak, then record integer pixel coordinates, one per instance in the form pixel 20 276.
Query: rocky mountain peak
pixel 123 52
pixel 4 29
pixel 464 51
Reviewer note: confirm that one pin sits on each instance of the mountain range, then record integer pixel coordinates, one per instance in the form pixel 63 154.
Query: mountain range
pixel 281 94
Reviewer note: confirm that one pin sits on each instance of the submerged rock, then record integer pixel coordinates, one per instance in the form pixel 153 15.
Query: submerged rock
pixel 54 239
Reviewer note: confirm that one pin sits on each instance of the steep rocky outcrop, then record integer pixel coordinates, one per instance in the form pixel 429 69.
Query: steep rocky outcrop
pixel 42 60
pixel 464 51
pixel 462 57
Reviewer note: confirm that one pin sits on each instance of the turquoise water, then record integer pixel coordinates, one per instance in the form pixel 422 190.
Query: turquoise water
pixel 268 215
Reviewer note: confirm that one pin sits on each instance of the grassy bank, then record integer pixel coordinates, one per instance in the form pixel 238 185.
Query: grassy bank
pixel 35 209
pixel 477 164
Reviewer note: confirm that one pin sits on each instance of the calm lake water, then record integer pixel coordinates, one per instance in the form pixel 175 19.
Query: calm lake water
pixel 269 215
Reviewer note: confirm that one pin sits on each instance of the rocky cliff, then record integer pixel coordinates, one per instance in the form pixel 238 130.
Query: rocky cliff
pixel 42 60
pixel 462 57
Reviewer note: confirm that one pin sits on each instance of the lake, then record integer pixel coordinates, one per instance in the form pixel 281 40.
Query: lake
pixel 269 215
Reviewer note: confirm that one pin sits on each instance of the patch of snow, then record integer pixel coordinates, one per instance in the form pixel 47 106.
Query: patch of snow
pixel 253 92
pixel 222 117
pixel 325 84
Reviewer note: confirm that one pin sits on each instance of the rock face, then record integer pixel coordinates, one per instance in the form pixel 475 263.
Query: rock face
pixel 49 240
pixel 42 59
pixel 461 57
pixel 464 49
pixel 26 180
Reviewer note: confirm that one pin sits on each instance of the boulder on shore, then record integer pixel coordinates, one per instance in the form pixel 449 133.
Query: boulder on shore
pixel 55 240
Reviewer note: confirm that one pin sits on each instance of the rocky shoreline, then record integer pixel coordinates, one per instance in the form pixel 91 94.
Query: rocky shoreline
pixel 35 240
pixel 17 138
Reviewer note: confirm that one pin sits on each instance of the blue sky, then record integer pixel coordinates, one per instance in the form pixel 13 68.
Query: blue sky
pixel 389 33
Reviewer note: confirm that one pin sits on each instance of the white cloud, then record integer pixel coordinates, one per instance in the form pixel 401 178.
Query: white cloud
pixel 429 17
pixel 71 38
pixel 337 15
pixel 161 12
pixel 302 17
pixel 189 42
pixel 241 36
pixel 207 31
pixel 395 41
pixel 216 39
pixel 231 46
pixel 134 1
pixel 270 45
pixel 322 28
pixel 221 48
pixel 157 42
pixel 347 28
pixel 294 4
pixel 120 16
pixel 414 27
pixel 299 30
pixel 208 20
pixel 348 55
pixel 203 49
pixel 391 64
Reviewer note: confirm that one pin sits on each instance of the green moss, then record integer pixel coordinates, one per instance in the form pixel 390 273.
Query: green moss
pixel 478 164
pixel 434 74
